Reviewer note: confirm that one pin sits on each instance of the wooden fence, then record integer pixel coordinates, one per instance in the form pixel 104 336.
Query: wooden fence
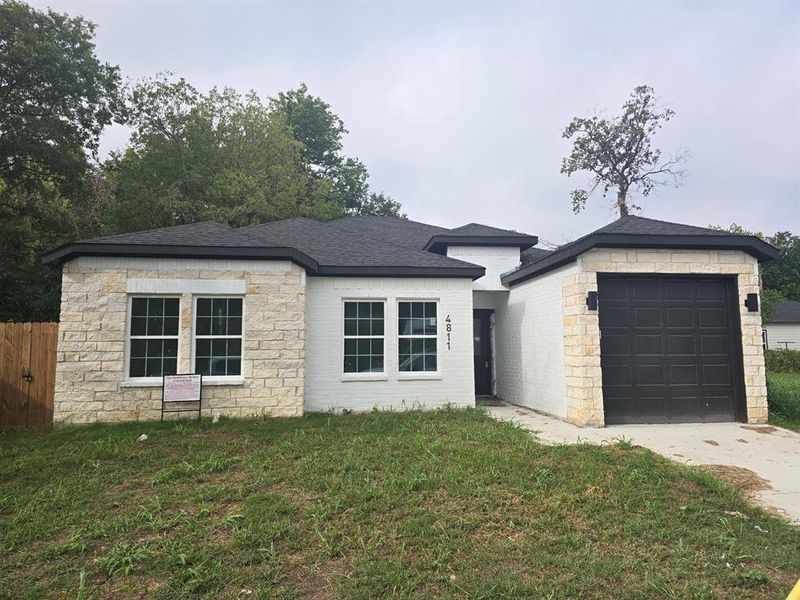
pixel 27 374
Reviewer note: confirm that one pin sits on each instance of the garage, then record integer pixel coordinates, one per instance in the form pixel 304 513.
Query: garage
pixel 670 349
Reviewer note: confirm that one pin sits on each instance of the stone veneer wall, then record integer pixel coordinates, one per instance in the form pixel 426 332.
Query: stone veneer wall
pixel 90 371
pixel 584 393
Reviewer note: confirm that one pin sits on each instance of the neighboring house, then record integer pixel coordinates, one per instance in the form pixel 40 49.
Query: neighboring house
pixel 783 328
pixel 640 321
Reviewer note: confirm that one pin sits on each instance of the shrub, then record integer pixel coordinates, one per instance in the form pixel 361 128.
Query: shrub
pixel 783 393
pixel 783 361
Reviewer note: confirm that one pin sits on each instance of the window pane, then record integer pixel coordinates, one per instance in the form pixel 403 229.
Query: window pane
pixel 363 327
pixel 219 348
pixel 430 362
pixel 430 309
pixel 137 367
pixel 405 346
pixel 155 326
pixel 235 307
pixel 217 366
pixel 201 366
pixel 171 326
pixel 417 363
pixel 363 364
pixel 170 366
pixel 404 310
pixel 203 347
pixel 153 367
pixel 363 346
pixel 138 326
pixel 234 347
pixel 171 307
pixel 429 325
pixel 364 311
pixel 377 310
pixel 171 348
pixel 377 364
pixel 430 345
pixel 204 307
pixel 404 327
pixel 377 327
pixel 138 349
pixel 234 326
pixel 350 347
pixel 350 364
pixel 350 327
pixel 203 326
pixel 155 307
pixel 139 307
pixel 350 310
pixel 234 366
pixel 218 326
pixel 377 347
pixel 154 348
pixel 219 307
pixel 417 309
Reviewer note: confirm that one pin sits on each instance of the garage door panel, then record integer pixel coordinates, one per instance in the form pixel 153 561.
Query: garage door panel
pixel 647 316
pixel 681 345
pixel 649 344
pixel 717 375
pixel 714 344
pixel 667 350
pixel 614 317
pixel 680 316
pixel 683 374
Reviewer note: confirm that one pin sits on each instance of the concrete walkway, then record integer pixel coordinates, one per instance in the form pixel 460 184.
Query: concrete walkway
pixel 771 453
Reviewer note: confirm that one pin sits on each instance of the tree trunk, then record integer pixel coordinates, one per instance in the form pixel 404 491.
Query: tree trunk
pixel 622 204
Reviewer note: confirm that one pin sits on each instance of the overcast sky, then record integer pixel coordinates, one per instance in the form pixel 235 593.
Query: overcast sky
pixel 457 109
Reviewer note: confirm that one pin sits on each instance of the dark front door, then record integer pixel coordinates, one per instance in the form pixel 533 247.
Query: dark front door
pixel 481 342
pixel 670 349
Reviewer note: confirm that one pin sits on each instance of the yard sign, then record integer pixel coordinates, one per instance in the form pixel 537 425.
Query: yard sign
pixel 179 389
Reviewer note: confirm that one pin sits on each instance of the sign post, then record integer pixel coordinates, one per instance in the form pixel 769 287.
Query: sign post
pixel 181 389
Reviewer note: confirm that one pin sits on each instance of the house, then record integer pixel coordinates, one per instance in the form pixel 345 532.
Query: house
pixel 782 330
pixel 639 321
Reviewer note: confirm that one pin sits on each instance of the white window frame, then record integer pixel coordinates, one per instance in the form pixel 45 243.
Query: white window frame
pixel 217 379
pixel 437 374
pixel 128 328
pixel 372 375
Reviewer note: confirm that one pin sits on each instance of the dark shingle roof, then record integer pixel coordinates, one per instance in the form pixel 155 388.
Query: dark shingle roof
pixel 533 254
pixel 480 229
pixel 638 232
pixel 787 311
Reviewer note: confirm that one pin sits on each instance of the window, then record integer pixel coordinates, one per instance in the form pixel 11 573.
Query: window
pixel 363 337
pixel 416 328
pixel 218 337
pixel 153 337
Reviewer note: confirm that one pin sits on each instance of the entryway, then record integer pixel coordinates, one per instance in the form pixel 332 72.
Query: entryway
pixel 482 350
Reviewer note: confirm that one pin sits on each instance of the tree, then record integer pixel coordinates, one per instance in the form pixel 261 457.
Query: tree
pixel 618 152
pixel 233 158
pixel 780 278
pixel 55 96
pixel 55 99
pixel 314 124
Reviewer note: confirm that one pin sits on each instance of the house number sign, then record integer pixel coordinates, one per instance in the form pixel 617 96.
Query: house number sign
pixel 448 328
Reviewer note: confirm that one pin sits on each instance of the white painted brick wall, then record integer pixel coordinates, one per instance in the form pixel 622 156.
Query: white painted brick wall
pixel 325 389
pixel 529 344
pixel 496 259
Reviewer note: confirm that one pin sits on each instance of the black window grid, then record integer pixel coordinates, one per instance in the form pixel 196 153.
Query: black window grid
pixel 218 336
pixel 364 336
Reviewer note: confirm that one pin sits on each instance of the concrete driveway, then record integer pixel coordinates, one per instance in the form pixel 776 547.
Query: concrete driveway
pixel 770 452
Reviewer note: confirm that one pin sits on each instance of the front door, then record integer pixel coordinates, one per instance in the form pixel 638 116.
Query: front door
pixel 482 348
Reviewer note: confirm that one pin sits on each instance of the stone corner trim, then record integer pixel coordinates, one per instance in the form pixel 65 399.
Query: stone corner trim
pixel 90 368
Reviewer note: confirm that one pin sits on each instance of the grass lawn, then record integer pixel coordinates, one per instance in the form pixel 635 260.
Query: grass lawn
pixel 783 390
pixel 443 504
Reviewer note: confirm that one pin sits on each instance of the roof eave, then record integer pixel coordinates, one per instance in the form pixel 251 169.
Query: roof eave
pixel 749 244
pixel 69 251
pixel 523 242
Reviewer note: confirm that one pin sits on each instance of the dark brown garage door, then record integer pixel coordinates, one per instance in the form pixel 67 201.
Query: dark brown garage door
pixel 670 349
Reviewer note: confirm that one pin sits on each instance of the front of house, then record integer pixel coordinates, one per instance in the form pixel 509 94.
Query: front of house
pixel 640 321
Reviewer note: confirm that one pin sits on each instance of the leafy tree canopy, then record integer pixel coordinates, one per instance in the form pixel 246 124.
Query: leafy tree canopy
pixel 618 154
pixel 234 158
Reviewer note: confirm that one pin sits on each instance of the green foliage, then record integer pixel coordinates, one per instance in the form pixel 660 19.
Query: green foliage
pixel 228 157
pixel 783 361
pixel 782 276
pixel 617 152
pixel 783 394
pixel 57 97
